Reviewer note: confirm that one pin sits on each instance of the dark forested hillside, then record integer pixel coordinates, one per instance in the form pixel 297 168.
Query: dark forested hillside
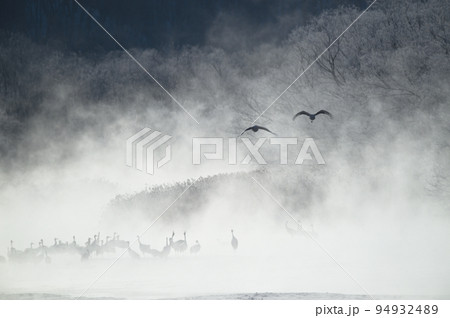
pixel 149 202
pixel 147 23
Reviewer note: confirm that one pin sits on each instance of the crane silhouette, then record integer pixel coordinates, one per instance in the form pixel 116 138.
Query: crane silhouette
pixel 312 116
pixel 144 248
pixel 195 248
pixel 256 128
pixel 234 241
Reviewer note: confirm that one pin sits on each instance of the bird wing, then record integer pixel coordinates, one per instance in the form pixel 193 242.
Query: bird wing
pixel 264 128
pixel 245 131
pixel 324 112
pixel 301 113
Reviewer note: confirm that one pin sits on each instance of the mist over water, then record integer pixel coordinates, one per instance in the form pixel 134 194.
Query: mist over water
pixel 379 206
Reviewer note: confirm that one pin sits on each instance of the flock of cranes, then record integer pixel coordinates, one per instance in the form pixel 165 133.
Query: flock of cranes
pixel 311 117
pixel 98 247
